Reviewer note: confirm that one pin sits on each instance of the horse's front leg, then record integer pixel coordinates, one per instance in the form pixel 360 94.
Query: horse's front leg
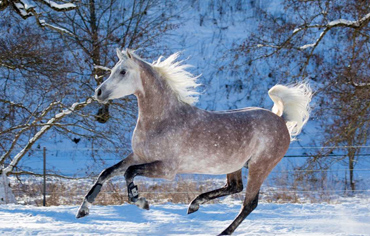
pixel 156 169
pixel 117 169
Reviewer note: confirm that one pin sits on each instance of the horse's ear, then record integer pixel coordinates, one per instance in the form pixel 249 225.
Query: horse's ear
pixel 120 54
pixel 128 53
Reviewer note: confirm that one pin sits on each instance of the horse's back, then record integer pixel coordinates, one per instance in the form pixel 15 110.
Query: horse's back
pixel 230 138
pixel 253 118
pixel 252 123
pixel 244 109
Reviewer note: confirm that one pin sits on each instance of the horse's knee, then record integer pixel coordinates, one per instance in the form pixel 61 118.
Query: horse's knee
pixel 104 175
pixel 110 172
pixel 129 173
pixel 254 204
pixel 235 187
pixel 251 205
pixel 239 188
pixel 94 191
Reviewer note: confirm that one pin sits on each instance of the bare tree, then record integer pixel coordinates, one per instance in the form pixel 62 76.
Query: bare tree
pixel 96 27
pixel 328 43
pixel 34 82
pixel 45 73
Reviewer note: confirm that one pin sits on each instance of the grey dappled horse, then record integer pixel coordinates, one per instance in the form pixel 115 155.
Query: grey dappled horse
pixel 173 137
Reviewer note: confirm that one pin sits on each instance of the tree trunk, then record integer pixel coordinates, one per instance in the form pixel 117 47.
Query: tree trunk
pixel 6 193
pixel 351 160
pixel 95 54
pixel 103 114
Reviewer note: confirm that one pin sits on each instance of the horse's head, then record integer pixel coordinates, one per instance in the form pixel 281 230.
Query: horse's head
pixel 131 75
pixel 124 79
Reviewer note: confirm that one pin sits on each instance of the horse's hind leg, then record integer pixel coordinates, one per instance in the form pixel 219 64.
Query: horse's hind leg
pixel 105 175
pixel 234 185
pixel 258 172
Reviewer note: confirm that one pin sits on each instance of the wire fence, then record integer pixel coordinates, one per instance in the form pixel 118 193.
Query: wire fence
pixel 69 175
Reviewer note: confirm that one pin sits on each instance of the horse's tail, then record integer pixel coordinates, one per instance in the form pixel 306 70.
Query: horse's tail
pixel 292 102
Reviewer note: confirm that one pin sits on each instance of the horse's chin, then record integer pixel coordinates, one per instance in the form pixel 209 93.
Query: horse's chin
pixel 104 101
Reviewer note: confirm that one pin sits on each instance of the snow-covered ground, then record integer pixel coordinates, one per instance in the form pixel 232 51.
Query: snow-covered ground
pixel 208 31
pixel 349 218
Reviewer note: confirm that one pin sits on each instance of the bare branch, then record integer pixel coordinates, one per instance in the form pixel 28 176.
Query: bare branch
pixel 75 106
pixel 4 4
pixel 24 129
pixel 333 24
pixel 15 105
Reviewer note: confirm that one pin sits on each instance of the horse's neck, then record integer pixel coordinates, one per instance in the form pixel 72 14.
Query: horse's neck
pixel 156 104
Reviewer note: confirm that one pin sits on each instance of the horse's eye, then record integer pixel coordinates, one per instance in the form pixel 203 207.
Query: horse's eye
pixel 123 72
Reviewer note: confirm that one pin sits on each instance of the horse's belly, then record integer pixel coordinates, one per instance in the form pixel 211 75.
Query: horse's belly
pixel 212 165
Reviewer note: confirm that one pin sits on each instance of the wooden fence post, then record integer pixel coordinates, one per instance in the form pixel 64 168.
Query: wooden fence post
pixel 44 200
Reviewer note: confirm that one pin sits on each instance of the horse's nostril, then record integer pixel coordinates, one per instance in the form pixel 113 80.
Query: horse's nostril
pixel 99 92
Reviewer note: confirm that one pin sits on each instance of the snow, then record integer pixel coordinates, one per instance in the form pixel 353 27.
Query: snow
pixel 307 46
pixel 23 9
pixel 296 30
pixel 63 6
pixel 349 218
pixel 27 5
pixel 61 30
pixel 102 68
pixel 350 23
pixel 341 21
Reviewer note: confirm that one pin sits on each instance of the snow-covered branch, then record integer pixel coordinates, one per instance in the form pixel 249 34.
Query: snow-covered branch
pixel 332 24
pixel 24 128
pixel 361 84
pixel 3 4
pixel 61 30
pixel 102 68
pixel 58 7
pixel 26 9
pixel 8 66
pixel 74 107
pixel 354 24
pixel 23 8
pixel 287 44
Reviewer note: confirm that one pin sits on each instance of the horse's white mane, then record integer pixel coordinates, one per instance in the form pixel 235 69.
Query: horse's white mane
pixel 182 82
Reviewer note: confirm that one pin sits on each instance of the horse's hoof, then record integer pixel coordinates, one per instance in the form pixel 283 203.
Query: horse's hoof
pixel 225 232
pixel 193 208
pixel 82 212
pixel 142 203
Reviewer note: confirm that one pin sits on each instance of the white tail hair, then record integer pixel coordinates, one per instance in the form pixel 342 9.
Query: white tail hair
pixel 292 102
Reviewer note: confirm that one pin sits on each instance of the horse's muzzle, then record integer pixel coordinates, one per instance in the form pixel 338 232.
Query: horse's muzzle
pixel 100 97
